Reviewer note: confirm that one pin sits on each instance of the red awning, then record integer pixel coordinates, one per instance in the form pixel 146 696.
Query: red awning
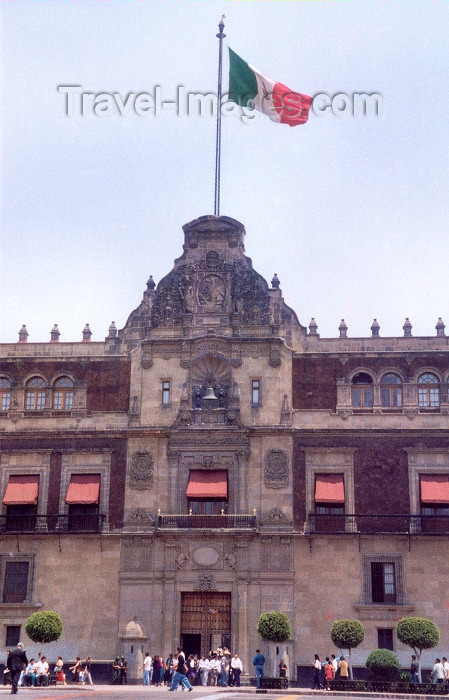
pixel 83 489
pixel 434 488
pixel 22 490
pixel 329 488
pixel 207 484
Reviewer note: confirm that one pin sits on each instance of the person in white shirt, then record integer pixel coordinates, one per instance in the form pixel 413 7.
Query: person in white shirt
pixel 204 667
pixel 438 672
pixel 147 669
pixel 446 673
pixel 214 671
pixel 42 671
pixel 237 668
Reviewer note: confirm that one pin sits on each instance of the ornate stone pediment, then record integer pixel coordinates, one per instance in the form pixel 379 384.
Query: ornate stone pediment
pixel 141 471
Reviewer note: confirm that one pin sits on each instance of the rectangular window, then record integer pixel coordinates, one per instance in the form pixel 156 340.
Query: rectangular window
pixel 165 393
pixel 12 635
pixel 6 401
pixel 385 639
pixel 255 392
pixel 383 582
pixel 15 584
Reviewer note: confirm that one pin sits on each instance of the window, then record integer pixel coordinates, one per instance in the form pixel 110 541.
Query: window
pixel 82 498
pixel 434 492
pixel 383 582
pixel 165 393
pixel 385 638
pixel 428 391
pixel 12 635
pixel 391 391
pixel 255 392
pixel 5 394
pixel 362 391
pixel 15 583
pixel 20 499
pixel 329 494
pixel 207 491
pixel 35 394
pixel 63 394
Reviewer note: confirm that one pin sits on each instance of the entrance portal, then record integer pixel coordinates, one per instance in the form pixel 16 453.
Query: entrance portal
pixel 205 621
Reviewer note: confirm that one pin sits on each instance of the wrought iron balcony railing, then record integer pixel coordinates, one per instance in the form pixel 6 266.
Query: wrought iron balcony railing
pixel 376 524
pixel 224 521
pixel 61 522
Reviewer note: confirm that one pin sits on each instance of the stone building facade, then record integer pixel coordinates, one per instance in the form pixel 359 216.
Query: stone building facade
pixel 215 459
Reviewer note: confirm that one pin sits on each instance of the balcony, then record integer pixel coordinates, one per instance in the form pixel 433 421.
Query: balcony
pixel 225 521
pixel 378 524
pixel 61 522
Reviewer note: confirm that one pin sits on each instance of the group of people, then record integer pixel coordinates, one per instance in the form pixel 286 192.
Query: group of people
pixel 120 671
pixel 440 671
pixel 36 672
pixel 326 671
pixel 219 668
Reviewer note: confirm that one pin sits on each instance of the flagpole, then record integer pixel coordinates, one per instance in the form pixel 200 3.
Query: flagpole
pixel 220 37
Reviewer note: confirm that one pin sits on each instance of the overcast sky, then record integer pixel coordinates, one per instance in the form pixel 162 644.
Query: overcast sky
pixel 352 213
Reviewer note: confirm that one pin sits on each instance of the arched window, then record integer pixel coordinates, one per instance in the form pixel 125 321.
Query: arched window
pixel 35 394
pixel 63 394
pixel 5 393
pixel 362 391
pixel 391 390
pixel 428 390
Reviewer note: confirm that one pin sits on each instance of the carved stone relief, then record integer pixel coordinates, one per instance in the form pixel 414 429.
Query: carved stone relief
pixel 141 471
pixel 136 554
pixel 205 583
pixel 276 473
pixel 277 553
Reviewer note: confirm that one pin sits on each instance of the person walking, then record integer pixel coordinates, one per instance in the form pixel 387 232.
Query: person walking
pixel 17 660
pixel 316 673
pixel 180 674
pixel 147 666
pixel 414 669
pixel 237 668
pixel 259 662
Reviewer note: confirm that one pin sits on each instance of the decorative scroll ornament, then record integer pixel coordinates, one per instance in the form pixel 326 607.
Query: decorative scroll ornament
pixel 141 471
pixel 276 474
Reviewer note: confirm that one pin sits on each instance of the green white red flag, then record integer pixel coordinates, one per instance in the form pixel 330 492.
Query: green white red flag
pixel 249 87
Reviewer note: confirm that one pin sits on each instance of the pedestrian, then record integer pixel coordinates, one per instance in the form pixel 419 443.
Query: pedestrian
pixel 258 662
pixel 75 669
pixel 16 662
pixel 316 673
pixel 147 668
pixel 59 671
pixel 343 668
pixel 438 673
pixel 180 674
pixel 328 674
pixel 115 671
pixel 123 677
pixel 446 673
pixel 87 671
pixel 204 667
pixel 237 668
pixel 414 669
pixel 168 671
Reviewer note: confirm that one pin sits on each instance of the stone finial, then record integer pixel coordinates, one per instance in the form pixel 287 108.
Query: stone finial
pixel 87 334
pixel 313 327
pixel 343 328
pixel 151 284
pixel 23 334
pixel 54 334
pixel 440 327
pixel 375 328
pixel 407 328
pixel 112 330
pixel 275 283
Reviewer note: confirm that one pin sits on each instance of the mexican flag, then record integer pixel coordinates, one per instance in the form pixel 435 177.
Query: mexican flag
pixel 277 101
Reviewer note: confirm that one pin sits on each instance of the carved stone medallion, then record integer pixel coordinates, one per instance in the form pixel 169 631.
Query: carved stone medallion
pixel 141 471
pixel 276 474
pixel 212 293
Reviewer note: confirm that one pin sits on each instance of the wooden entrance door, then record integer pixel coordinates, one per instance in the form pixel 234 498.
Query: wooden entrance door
pixel 205 619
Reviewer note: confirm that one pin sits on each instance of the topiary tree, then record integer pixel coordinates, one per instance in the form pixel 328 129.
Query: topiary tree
pixel 274 627
pixel 383 664
pixel 418 633
pixel 347 634
pixel 44 627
